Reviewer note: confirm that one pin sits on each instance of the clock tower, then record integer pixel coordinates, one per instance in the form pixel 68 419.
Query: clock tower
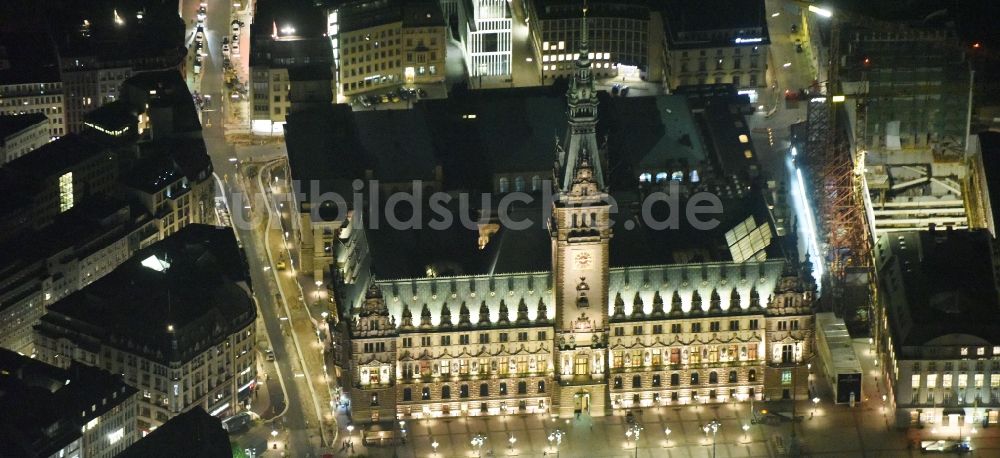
pixel 580 231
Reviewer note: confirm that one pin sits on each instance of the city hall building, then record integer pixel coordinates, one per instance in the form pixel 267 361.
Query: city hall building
pixel 591 309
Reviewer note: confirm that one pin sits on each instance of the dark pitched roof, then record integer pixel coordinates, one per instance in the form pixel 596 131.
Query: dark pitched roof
pixel 55 156
pixel 948 286
pixel 739 18
pixel 42 404
pixel 572 9
pixel 199 295
pixel 194 434
pixel 11 124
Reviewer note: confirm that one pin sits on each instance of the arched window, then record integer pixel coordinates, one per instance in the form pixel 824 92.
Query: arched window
pixel 463 391
pixel 446 392
pixel 636 381
pixel 645 177
pixel 503 388
pixel 752 375
pixel 425 393
pixel 661 177
pixel 504 184
pixel 677 176
pixel 407 394
pixel 536 183
pixel 694 176
pixel 732 376
pixel 618 382
pixel 522 387
pixel 656 380
pixel 484 389
pixel 694 378
pixel 675 379
pixel 713 377
pixel 519 184
pixel 541 386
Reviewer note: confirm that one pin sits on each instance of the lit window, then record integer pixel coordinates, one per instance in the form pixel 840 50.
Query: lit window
pixel 981 351
pixel 590 55
pixel 607 55
pixel 545 46
pixel 66 191
pixel 915 381
pixel 645 177
pixel 964 351
pixel 996 350
pixel 748 154
pixel 545 58
pixel 744 138
pixel 562 45
pixel 661 177
pixel 545 68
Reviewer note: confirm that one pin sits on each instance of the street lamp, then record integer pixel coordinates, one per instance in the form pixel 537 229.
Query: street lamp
pixel 667 433
pixel 477 441
pixel 434 445
pixel 512 439
pixel 556 436
pixel 633 433
pixel 816 402
pixel 712 427
pixel 746 429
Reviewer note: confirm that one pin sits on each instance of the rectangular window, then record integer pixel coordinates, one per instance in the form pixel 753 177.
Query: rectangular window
pixel 637 330
pixel 795 325
pixel 734 325
pixel 542 335
pixel 425 341
pixel 445 341
pixel 753 325
pixel 657 329
pixel 786 377
pixel 932 381
pixel 978 380
pixel 994 381
pixel 695 327
pixel 675 328
pixel 946 380
pixel 463 339
pixel 915 381
pixel 484 338
pixel 963 380
pixel 522 336
pixel 503 336
pixel 714 326
pixel 619 331
pixel 407 342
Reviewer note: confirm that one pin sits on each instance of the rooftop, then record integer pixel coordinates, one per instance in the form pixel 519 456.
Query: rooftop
pixel 12 124
pixel 194 434
pixel 572 9
pixel 56 156
pixel 938 283
pixel 45 407
pixel 686 21
pixel 167 314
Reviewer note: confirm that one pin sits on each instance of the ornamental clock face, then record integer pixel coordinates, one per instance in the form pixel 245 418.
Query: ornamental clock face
pixel 583 260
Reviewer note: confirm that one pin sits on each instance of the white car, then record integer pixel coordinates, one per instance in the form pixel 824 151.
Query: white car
pixel 236 48
pixel 201 14
pixel 236 27
pixel 200 34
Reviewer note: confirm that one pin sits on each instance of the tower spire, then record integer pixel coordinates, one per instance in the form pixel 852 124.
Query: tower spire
pixel 581 134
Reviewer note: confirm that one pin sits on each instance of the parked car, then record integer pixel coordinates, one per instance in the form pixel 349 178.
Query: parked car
pixel 281 264
pixel 199 34
pixel 225 47
pixel 269 354
pixel 236 26
pixel 201 14
pixel 236 48
pixel 795 28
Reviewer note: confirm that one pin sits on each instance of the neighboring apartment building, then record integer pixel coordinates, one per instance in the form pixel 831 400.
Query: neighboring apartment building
pixel 387 43
pixel 936 332
pixel 192 433
pixel 716 41
pixel 29 79
pixel 192 345
pixel 625 37
pixel 95 58
pixel 52 179
pixel 80 411
pixel 484 29
pixel 21 134
pixel 270 87
pixel 44 266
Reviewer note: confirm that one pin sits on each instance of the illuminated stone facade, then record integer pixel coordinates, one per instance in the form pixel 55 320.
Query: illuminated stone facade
pixel 585 337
